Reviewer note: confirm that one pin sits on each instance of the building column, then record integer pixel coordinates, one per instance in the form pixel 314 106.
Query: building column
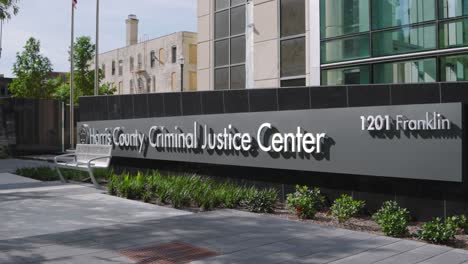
pixel 249 51
pixel 314 43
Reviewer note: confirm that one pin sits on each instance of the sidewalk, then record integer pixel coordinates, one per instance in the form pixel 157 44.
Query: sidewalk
pixel 78 224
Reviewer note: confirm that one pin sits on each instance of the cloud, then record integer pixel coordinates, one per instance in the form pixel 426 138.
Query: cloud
pixel 50 23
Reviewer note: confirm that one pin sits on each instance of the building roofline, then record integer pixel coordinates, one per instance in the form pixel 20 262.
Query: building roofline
pixel 156 38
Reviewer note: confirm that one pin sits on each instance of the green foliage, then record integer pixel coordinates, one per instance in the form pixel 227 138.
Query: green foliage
pixel 7 8
pixel 4 152
pixel 32 71
pixel 460 221
pixel 261 201
pixel 50 174
pixel 305 203
pixel 392 219
pixel 84 52
pixel 346 207
pixel 438 231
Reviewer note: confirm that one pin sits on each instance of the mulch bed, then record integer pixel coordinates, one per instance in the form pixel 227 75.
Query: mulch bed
pixel 364 224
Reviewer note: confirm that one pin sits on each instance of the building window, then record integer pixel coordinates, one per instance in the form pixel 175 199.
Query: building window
pixel 395 13
pixel 174 54
pixel 174 81
pixel 120 88
pixel 132 64
pixel 140 85
pixel 229 45
pixel 162 56
pixel 351 75
pixel 103 70
pixel 453 33
pixel 452 8
pixel 454 68
pixel 154 84
pixel 404 40
pixel 140 62
pixel 417 71
pixel 193 56
pixel 120 67
pixel 342 17
pixel 113 68
pixel 292 42
pixel 148 85
pixel 152 58
pixel 132 87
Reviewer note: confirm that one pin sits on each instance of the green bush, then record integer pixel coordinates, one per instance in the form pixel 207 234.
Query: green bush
pixel 112 185
pixel 438 231
pixel 305 203
pixel 392 219
pixel 4 152
pixel 460 221
pixel 261 201
pixel 346 207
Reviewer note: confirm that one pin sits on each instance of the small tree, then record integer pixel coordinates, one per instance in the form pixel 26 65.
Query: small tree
pixel 7 8
pixel 83 55
pixel 32 71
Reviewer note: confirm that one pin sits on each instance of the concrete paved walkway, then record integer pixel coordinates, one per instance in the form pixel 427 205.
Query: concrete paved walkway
pixel 77 224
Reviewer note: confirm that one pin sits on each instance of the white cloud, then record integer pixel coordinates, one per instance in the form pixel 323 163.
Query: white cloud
pixel 50 23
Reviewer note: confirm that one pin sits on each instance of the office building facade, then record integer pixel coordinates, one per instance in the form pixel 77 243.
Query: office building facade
pixel 152 66
pixel 284 43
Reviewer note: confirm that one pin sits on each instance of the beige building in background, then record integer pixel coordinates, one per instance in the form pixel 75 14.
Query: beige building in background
pixel 154 65
pixel 244 44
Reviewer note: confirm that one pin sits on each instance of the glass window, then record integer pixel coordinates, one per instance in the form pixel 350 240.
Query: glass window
pixel 152 58
pixel 353 75
pixel 418 71
pixel 120 67
pixel 103 68
pixel 140 62
pixel 454 68
pixel 294 83
pixel 174 54
pixel 292 17
pixel 221 4
pixel 222 24
pixel 113 67
pixel 454 33
pixel 452 8
pixel 237 2
pixel 132 63
pixel 173 81
pixel 230 45
pixel 222 52
pixel 392 13
pixel 222 79
pixel 342 17
pixel 238 77
pixel 238 50
pixel 238 20
pixel 404 40
pixel 293 57
pixel 345 49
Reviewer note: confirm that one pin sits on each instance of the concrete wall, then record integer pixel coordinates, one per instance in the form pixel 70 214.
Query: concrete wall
pixel 164 72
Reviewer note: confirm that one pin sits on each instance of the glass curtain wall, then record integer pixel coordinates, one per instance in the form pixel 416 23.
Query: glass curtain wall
pixel 358 29
pixel 229 44
pixel 292 43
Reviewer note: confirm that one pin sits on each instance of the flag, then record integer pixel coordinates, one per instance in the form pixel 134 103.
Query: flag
pixel 75 2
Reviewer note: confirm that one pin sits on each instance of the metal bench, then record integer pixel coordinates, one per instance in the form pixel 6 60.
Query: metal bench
pixel 85 158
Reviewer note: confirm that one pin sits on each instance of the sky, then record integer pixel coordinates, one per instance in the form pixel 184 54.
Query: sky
pixel 49 21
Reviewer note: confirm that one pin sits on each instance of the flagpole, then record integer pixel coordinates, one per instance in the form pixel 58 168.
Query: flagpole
pixel 72 107
pixel 96 66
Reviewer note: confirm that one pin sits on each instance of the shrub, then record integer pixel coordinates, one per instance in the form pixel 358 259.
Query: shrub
pixel 261 201
pixel 305 203
pixel 112 185
pixel 346 207
pixel 392 219
pixel 438 231
pixel 459 221
pixel 4 152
